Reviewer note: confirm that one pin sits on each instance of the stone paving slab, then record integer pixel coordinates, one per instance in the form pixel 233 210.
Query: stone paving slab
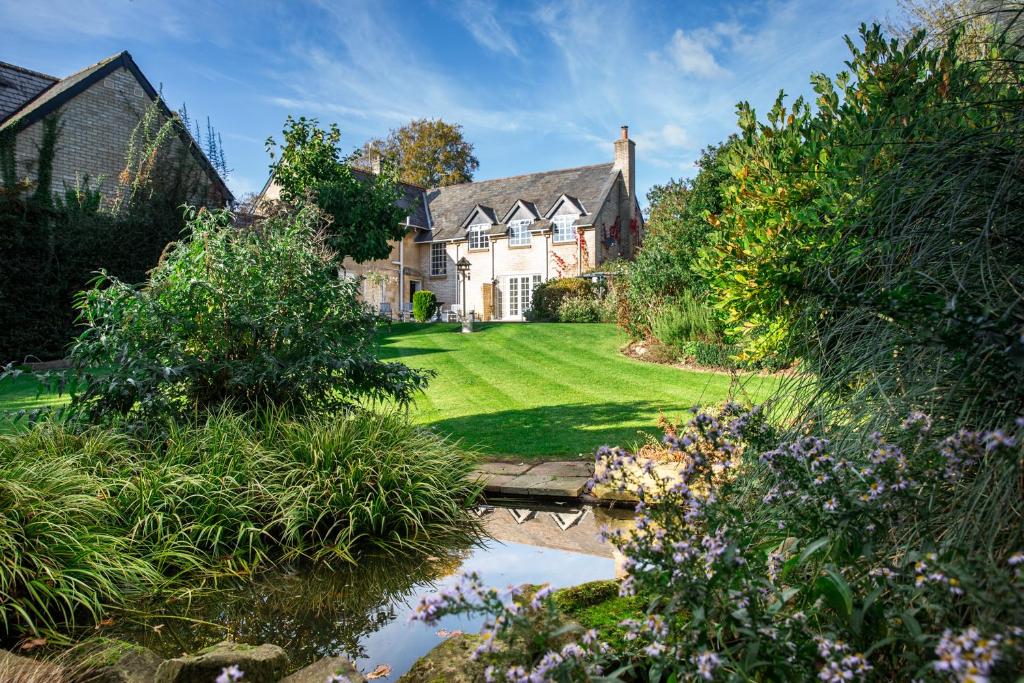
pixel 494 482
pixel 554 479
pixel 574 468
pixel 504 467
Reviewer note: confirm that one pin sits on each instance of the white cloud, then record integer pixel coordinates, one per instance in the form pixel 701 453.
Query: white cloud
pixel 691 53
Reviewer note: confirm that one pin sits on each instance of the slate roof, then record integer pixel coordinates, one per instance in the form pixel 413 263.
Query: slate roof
pixel 411 199
pixel 449 206
pixel 19 85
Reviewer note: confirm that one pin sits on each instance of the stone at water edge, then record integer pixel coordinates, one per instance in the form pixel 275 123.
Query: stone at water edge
pixel 320 671
pixel 116 661
pixel 451 662
pixel 261 664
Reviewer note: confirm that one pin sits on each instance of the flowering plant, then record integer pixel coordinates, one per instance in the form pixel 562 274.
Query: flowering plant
pixel 791 563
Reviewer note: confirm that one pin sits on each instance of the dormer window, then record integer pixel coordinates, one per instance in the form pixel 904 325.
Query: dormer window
pixel 562 229
pixel 478 236
pixel 519 232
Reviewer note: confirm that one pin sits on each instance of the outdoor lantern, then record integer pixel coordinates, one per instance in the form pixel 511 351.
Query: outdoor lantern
pixel 463 267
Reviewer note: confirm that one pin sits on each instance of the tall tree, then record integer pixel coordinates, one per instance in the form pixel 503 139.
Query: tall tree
pixel 426 152
pixel 364 218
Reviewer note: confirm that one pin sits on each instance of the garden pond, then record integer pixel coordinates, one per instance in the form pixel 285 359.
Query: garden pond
pixel 363 612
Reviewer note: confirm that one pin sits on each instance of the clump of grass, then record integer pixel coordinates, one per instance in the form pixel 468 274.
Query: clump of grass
pixel 86 519
pixel 62 556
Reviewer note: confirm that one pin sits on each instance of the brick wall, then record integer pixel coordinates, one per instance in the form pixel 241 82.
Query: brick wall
pixel 94 132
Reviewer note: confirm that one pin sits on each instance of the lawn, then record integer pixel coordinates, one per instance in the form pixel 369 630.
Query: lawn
pixel 513 390
pixel 544 390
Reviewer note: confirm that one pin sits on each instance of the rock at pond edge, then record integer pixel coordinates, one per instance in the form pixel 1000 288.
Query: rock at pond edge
pixel 320 671
pixel 261 664
pixel 449 662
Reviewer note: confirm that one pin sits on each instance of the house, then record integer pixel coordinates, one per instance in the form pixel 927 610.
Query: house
pixel 99 107
pixel 514 232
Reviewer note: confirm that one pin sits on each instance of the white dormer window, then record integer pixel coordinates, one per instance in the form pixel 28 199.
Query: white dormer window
pixel 519 232
pixel 562 230
pixel 478 237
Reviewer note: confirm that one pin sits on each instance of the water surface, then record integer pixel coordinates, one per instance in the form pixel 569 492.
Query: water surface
pixel 363 612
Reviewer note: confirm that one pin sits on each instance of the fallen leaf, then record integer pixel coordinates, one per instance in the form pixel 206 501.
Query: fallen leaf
pixel 109 621
pixel 33 643
pixel 381 671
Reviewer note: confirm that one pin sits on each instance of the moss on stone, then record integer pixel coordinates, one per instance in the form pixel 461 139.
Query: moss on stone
pixel 597 605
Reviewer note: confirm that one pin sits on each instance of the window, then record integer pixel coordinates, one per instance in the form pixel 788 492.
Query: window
pixel 563 230
pixel 519 232
pixel 438 259
pixel 478 237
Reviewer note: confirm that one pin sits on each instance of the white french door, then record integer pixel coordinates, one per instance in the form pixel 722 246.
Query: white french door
pixel 518 295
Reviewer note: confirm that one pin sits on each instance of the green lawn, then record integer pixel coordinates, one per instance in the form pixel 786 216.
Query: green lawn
pixel 547 389
pixel 22 393
pixel 538 390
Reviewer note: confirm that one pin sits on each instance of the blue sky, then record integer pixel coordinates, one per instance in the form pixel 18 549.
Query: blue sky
pixel 536 85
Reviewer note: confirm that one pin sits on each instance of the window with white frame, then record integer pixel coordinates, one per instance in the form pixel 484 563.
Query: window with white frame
pixel 438 259
pixel 519 232
pixel 563 230
pixel 478 237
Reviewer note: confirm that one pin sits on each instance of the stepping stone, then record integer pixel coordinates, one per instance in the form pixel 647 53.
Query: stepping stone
pixel 570 468
pixel 494 482
pixel 503 467
pixel 544 485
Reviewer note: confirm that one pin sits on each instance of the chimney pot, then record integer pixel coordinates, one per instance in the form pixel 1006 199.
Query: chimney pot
pixel 625 132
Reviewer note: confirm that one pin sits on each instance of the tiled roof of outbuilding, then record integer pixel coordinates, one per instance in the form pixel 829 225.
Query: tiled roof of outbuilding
pixel 18 86
pixel 449 206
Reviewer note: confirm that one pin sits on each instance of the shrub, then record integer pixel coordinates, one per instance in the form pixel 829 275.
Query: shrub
pixel 87 519
pixel 239 317
pixel 578 309
pixel 424 305
pixel 548 296
pixel 686 319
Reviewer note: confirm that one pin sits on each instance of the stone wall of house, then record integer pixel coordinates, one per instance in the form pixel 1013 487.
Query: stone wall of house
pixel 95 127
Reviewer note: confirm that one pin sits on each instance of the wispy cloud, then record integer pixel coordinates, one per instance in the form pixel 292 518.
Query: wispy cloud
pixel 480 18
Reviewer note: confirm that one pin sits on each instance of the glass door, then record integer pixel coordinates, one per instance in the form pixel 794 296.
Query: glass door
pixel 520 295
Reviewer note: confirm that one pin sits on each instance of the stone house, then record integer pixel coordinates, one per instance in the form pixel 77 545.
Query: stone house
pixel 515 233
pixel 98 109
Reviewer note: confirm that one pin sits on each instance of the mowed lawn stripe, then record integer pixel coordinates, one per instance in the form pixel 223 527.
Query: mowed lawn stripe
pixel 628 376
pixel 545 390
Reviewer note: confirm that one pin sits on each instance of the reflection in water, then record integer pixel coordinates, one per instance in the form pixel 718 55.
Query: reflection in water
pixel 362 612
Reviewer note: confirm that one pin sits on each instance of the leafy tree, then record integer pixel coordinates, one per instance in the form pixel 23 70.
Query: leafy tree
pixel 878 235
pixel 233 317
pixel 677 228
pixel 361 212
pixel 426 152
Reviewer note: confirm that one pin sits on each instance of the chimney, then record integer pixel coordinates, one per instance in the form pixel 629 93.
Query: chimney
pixel 375 161
pixel 625 161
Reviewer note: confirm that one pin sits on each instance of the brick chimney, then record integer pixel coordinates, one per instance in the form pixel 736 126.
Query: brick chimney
pixel 625 161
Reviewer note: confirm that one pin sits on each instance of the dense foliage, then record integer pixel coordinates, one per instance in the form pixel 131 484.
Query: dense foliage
pixel 884 217
pixel 676 230
pixel 53 240
pixel 873 530
pixel 426 152
pixel 363 218
pixel 424 305
pixel 574 300
pixel 88 519
pixel 236 317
